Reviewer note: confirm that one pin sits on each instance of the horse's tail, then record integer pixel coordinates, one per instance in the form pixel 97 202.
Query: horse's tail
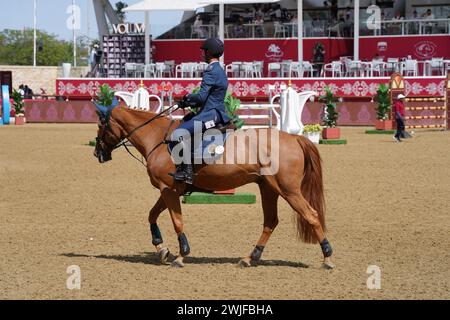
pixel 312 189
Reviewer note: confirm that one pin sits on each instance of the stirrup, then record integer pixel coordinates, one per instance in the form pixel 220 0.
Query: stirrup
pixel 189 174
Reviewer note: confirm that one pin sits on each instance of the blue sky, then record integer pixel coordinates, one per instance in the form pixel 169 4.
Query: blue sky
pixel 52 16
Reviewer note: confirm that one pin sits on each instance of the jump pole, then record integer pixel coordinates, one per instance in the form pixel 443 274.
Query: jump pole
pixel 6 106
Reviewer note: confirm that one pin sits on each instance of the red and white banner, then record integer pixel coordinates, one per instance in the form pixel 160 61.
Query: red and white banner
pixel 253 88
pixel 418 47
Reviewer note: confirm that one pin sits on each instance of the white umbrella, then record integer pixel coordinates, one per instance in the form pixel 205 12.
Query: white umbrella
pixel 160 5
pixel 222 4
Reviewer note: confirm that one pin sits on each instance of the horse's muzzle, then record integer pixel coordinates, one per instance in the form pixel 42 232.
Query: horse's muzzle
pixel 102 157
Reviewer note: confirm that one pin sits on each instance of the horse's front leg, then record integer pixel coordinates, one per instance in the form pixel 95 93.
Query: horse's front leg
pixel 172 201
pixel 157 240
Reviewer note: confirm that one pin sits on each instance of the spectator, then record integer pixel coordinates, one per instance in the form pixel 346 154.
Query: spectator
pixel 429 26
pixel 92 56
pixel 383 25
pixel 278 12
pixel 399 111
pixel 198 27
pixel 428 15
pixel 398 16
pixel 28 93
pixel 415 15
pixel 259 29
pixel 348 25
pixel 239 29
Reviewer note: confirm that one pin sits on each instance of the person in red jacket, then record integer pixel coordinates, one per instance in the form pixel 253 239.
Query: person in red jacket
pixel 399 113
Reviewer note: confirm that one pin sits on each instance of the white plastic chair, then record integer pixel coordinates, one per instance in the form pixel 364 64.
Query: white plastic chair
pixel 233 69
pixel 437 64
pixel 200 68
pixel 334 67
pixel 274 67
pixel 408 68
pixel 247 69
pixel 130 69
pixel 258 67
pixel 308 67
pixel 185 69
pixel 150 70
pixel 280 30
pixel 296 68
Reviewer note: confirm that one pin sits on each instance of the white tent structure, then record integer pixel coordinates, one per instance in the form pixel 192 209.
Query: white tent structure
pixel 160 5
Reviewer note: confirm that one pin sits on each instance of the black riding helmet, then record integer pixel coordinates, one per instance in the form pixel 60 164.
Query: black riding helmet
pixel 214 46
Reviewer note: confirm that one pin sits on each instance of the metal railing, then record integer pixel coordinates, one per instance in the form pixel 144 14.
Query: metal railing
pixel 311 29
pixel 409 27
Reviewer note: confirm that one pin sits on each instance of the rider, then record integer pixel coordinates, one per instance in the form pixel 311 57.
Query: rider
pixel 209 100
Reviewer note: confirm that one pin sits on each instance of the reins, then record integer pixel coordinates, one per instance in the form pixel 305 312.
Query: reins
pixel 126 140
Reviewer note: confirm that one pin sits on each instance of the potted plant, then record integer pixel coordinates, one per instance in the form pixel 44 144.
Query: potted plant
pixel 18 107
pixel 312 132
pixel 383 108
pixel 330 115
pixel 232 105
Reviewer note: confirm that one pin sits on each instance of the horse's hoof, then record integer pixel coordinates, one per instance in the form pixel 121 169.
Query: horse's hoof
pixel 177 263
pixel 328 265
pixel 244 263
pixel 163 255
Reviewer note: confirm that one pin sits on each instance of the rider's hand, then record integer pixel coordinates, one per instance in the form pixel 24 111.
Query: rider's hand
pixel 183 104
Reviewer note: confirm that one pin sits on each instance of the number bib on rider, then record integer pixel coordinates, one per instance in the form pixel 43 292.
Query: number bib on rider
pixel 210 124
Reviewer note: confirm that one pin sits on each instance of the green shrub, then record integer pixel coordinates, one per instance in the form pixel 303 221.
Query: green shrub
pixel 330 114
pixel 383 102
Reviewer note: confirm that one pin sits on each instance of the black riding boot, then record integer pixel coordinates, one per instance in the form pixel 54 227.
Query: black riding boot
pixel 180 172
pixel 189 173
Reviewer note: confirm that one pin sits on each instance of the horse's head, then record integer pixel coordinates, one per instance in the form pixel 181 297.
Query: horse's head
pixel 108 136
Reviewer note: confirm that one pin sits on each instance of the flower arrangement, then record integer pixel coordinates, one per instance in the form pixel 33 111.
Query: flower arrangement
pixel 383 102
pixel 312 132
pixel 330 114
pixel 311 128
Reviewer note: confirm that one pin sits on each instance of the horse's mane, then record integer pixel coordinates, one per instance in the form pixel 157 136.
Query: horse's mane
pixel 142 113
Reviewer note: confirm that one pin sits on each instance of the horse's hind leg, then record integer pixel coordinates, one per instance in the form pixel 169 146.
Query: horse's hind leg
pixel 311 217
pixel 172 200
pixel 157 239
pixel 269 199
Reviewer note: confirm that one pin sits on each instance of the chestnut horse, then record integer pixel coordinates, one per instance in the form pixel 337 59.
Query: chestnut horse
pixel 298 179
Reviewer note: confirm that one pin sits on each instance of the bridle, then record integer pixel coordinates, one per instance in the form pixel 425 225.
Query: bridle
pixel 105 119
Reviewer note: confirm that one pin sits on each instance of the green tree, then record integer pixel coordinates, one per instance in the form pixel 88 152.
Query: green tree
pixel 16 48
pixel 119 10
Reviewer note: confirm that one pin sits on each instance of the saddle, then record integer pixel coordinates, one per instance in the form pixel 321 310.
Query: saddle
pixel 227 126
